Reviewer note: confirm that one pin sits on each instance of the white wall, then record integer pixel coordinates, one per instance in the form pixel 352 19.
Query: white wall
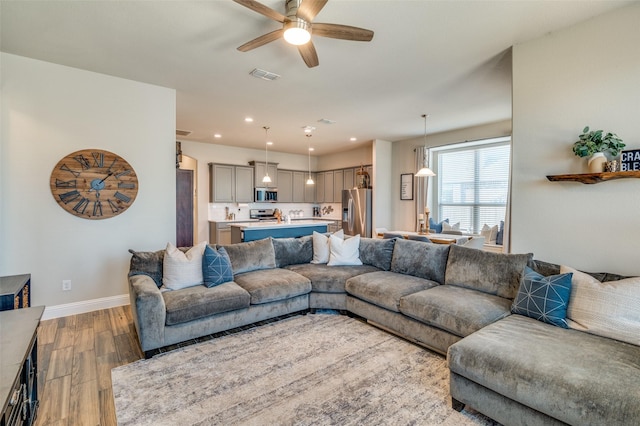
pixel 345 159
pixel 382 184
pixel 47 112
pixel 588 74
pixel 404 212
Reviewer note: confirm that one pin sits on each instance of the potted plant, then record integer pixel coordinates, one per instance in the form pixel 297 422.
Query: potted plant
pixel 595 144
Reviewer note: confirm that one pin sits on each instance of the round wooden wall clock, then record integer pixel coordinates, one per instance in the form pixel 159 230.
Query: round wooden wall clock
pixel 94 184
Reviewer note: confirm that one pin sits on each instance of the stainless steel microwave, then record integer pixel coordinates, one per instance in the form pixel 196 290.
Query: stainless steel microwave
pixel 266 195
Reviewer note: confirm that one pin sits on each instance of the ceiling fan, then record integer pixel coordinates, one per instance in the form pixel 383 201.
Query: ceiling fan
pixel 297 27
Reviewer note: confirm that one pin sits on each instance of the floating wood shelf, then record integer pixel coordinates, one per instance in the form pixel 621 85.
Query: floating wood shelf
pixel 590 178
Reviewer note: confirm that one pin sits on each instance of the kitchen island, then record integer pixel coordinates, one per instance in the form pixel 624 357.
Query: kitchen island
pixel 251 231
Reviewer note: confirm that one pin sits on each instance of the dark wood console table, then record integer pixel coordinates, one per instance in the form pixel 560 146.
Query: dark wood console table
pixel 19 366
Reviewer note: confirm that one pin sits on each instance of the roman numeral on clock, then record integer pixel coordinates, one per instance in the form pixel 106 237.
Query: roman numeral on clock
pixel 69 196
pixel 98 159
pixel 114 207
pixel 97 208
pixel 83 161
pixel 67 169
pixel 120 196
pixel 65 183
pixel 81 206
pixel 122 173
pixel 126 185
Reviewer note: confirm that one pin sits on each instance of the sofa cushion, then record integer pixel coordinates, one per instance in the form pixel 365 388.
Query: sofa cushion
pixel 492 273
pixel 147 263
pixel 271 285
pixel 321 246
pixel 610 309
pixel 575 377
pixel 180 269
pixel 291 251
pixel 251 256
pixel 330 279
pixel 344 252
pixel 377 252
pixel 216 267
pixel 457 310
pixel 197 302
pixel 435 226
pixel 421 260
pixel 543 298
pixel 385 288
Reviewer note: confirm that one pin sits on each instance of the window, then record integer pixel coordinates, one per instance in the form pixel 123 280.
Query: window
pixel 472 183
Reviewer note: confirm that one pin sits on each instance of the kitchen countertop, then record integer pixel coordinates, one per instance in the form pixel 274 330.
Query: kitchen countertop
pixel 274 225
pixel 296 219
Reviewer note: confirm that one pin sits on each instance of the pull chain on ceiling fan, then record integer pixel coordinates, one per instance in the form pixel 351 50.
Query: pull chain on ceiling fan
pixel 297 27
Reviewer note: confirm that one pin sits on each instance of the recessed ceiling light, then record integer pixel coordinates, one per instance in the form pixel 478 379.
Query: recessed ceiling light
pixel 248 120
pixel 311 149
pixel 217 135
pixel 269 143
pixel 308 129
pixel 353 139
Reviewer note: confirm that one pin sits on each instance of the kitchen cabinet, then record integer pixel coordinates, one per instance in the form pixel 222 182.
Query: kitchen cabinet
pixel 230 184
pixel 328 187
pixel 310 190
pixel 285 186
pixel 349 179
pixel 320 187
pixel 244 184
pixel 299 186
pixel 259 172
pixel 338 184
pixel 220 233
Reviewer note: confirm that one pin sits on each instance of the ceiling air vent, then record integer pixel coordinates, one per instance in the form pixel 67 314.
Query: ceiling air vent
pixel 326 121
pixel 265 75
pixel 183 132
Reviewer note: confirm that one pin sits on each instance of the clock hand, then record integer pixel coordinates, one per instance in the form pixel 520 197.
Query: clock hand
pixel 106 177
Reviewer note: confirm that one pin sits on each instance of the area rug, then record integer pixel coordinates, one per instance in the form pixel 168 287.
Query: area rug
pixel 308 370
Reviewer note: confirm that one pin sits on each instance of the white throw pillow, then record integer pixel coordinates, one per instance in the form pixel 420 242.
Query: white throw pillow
pixel 181 270
pixel 610 309
pixel 344 252
pixel 321 246
pixel 454 227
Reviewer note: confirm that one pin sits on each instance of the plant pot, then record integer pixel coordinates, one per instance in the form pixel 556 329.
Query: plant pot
pixel 596 162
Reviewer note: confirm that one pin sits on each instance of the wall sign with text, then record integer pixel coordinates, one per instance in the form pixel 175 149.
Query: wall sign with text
pixel 406 186
pixel 630 160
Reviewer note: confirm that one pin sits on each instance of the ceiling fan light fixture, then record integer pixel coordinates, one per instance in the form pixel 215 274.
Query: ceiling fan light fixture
pixel 297 32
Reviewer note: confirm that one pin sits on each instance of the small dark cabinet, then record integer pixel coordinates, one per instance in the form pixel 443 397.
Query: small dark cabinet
pixel 19 366
pixel 15 292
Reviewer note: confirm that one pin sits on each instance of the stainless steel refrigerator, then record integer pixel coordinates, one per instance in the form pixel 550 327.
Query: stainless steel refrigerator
pixel 356 212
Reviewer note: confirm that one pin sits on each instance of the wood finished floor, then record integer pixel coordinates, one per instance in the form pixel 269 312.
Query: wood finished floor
pixel 75 358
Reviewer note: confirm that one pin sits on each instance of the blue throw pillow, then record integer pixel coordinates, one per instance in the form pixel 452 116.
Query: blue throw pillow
pixel 500 236
pixel 544 298
pixel 437 227
pixel 216 267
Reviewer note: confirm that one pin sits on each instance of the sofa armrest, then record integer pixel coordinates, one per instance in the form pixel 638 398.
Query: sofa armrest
pixel 149 311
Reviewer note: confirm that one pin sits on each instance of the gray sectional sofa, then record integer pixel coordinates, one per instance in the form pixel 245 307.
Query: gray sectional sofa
pixel 451 299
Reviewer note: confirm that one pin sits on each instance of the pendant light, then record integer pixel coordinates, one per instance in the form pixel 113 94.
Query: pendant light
pixel 309 180
pixel 266 178
pixel 425 171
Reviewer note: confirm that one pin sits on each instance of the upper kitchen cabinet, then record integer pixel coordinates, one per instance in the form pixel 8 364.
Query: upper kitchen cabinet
pixel 259 172
pixel 285 186
pixel 348 179
pixel 320 187
pixel 299 186
pixel 328 187
pixel 338 185
pixel 230 184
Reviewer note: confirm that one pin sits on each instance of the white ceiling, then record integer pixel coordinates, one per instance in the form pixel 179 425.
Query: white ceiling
pixel 450 59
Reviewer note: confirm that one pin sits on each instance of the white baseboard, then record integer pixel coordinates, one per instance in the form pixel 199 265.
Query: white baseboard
pixel 75 308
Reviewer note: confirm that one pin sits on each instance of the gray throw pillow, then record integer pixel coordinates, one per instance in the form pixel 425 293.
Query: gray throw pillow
pixel 293 251
pixel 147 263
pixel 377 252
pixel 421 260
pixel 251 256
pixel 493 273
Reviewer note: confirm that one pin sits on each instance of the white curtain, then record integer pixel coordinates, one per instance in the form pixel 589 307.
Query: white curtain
pixel 420 184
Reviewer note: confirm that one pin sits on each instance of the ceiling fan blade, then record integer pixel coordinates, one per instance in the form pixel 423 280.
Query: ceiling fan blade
pixel 309 55
pixel 309 9
pixel 262 9
pixel 344 32
pixel 261 41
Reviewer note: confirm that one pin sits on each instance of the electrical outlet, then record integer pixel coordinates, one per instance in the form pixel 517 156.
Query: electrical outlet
pixel 66 285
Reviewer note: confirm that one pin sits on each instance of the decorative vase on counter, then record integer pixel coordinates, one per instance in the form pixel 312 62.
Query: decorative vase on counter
pixel 596 162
